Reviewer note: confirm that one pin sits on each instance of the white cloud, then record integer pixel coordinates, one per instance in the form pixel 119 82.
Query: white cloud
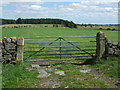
pixel 4 2
pixel 75 4
pixel 82 1
pixel 35 7
pixel 93 7
pixel 70 9
pixel 109 9
pixel 30 7
pixel 79 12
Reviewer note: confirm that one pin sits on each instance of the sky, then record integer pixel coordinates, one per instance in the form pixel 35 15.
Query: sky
pixel 78 11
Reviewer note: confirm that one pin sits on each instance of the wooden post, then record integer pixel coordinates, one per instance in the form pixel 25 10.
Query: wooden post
pixel 20 49
pixel 101 42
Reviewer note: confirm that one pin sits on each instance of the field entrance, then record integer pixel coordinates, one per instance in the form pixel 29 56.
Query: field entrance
pixel 59 48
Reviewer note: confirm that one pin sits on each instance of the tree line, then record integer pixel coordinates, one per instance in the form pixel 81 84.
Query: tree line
pixel 66 23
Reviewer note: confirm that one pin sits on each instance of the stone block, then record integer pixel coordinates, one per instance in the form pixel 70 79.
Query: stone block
pixel 109 45
pixel 14 40
pixel 113 49
pixel 110 51
pixel 8 40
pixel 115 44
pixel 117 52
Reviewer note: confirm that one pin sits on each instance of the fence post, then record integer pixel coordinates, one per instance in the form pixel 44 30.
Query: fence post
pixel 101 42
pixel 20 48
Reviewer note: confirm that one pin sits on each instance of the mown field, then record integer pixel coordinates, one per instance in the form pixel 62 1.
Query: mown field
pixel 41 32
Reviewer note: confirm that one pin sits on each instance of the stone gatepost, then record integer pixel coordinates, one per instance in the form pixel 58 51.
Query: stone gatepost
pixel 101 41
pixel 20 47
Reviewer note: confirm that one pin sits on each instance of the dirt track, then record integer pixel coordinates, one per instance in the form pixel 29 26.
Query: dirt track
pixel 53 81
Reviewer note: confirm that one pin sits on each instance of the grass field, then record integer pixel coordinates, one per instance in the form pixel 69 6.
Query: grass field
pixel 110 27
pixel 41 32
pixel 18 77
pixel 30 25
pixel 49 32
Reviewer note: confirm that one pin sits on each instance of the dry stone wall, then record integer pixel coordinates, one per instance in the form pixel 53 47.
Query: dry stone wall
pixel 112 49
pixel 9 50
pixel 105 49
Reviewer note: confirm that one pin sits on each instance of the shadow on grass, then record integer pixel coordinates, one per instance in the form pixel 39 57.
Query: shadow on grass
pixel 87 62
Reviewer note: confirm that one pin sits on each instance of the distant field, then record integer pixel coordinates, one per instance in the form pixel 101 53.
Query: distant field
pixel 101 27
pixel 49 31
pixel 30 25
pixel 107 27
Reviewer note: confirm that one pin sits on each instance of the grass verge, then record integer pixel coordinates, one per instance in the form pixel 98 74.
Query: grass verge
pixel 16 76
pixel 108 67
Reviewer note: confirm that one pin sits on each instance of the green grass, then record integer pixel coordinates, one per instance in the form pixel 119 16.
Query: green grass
pixel 75 79
pixel 108 67
pixel 43 32
pixel 16 76
pixel 47 31
pixel 13 75
pixel 37 32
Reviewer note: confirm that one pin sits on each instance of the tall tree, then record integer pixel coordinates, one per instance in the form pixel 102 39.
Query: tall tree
pixel 19 21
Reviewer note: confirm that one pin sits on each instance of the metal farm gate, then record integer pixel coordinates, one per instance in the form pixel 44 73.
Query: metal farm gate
pixel 59 48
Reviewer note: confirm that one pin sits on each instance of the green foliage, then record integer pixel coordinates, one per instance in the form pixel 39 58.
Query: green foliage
pixel 18 21
pixel 66 23
pixel 16 76
pixel 5 21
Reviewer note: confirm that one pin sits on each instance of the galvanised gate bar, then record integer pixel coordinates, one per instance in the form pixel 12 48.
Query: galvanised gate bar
pixel 59 48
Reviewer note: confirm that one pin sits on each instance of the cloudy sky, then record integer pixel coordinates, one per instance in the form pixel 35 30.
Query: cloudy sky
pixel 78 11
